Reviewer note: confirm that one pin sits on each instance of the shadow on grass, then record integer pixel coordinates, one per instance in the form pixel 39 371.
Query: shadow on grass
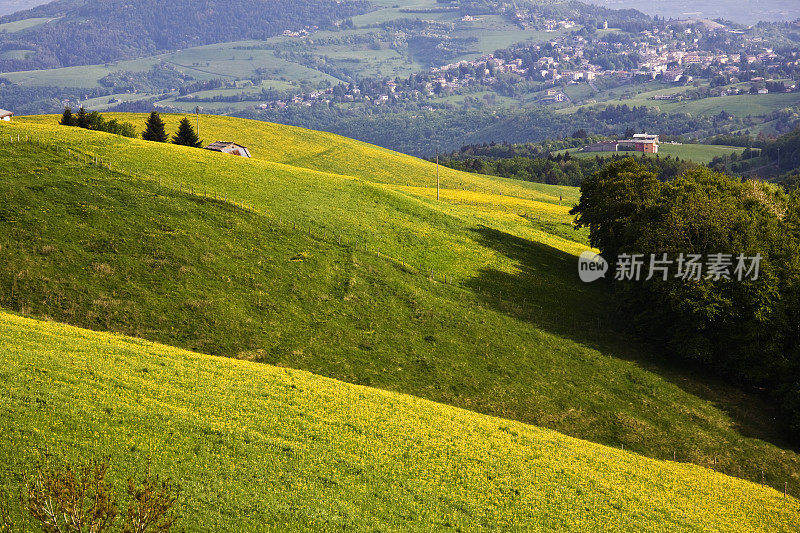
pixel 547 292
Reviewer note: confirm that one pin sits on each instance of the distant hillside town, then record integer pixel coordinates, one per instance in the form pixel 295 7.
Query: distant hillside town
pixel 676 53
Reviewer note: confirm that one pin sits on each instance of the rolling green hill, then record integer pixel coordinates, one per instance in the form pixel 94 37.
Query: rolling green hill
pixel 343 263
pixel 276 143
pixel 258 448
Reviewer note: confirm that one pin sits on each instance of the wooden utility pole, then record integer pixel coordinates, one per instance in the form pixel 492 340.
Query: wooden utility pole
pixel 197 111
pixel 437 171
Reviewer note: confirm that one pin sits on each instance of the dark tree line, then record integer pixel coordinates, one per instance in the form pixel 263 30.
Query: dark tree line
pixel 749 330
pixel 154 129
pixel 95 121
pixel 561 169
pixel 410 128
pixel 772 156
pixel 784 151
pixel 41 100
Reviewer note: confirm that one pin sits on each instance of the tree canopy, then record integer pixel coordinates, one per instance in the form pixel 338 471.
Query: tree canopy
pixel 96 121
pixel 745 329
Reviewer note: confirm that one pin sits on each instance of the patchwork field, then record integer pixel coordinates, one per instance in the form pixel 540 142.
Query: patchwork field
pixel 285 62
pixel 233 60
pixel 742 105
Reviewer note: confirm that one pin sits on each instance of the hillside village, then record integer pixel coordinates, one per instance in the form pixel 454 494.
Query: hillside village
pixel 410 62
pixel 677 52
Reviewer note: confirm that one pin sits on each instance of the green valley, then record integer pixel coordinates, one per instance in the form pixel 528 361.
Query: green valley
pixel 414 74
pixel 699 153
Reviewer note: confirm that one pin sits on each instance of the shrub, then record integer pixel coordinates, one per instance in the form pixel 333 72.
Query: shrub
pixel 79 499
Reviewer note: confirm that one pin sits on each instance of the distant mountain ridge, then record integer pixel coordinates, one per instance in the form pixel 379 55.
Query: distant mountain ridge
pixel 13 6
pixel 741 12
pixel 98 31
pixel 26 9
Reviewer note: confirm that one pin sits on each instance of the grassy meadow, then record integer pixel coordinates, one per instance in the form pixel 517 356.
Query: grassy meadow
pixel 268 143
pixel 262 448
pixel 699 153
pixel 25 24
pixel 344 264
pixel 741 105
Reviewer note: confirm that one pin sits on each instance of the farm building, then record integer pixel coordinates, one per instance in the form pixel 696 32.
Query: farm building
pixel 604 146
pixel 641 142
pixel 558 97
pixel 5 115
pixel 645 137
pixel 229 147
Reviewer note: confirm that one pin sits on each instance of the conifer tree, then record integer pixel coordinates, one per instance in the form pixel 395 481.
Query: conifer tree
pixel 82 119
pixel 154 129
pixel 67 118
pixel 186 135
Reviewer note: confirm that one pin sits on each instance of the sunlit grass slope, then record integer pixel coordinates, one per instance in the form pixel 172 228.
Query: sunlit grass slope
pixel 257 448
pixel 332 153
pixel 331 273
